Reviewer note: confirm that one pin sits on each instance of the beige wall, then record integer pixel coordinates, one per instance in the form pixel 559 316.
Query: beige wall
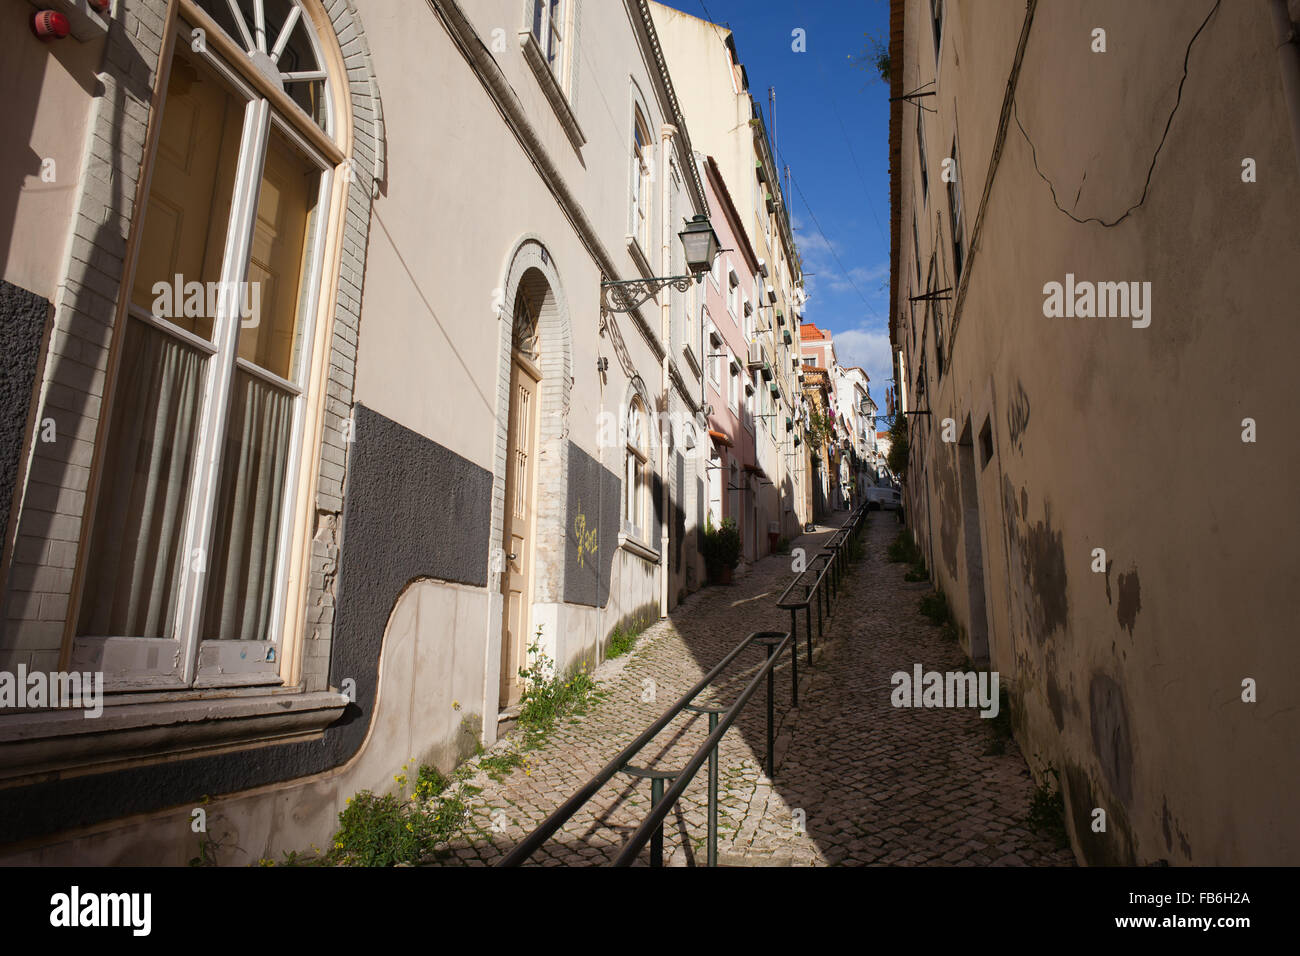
pixel 1109 436
pixel 459 197
pixel 48 90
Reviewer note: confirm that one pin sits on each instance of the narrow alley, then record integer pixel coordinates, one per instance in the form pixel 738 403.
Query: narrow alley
pixel 875 783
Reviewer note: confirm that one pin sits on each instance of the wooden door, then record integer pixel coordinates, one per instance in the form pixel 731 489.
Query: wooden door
pixel 517 540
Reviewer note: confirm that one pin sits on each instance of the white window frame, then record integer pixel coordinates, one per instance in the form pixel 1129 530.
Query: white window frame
pixel 733 382
pixel 957 221
pixel 636 473
pixel 710 349
pixel 642 166
pixel 184 659
pixel 552 39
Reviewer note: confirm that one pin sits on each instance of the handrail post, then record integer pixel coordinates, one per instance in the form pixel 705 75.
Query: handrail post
pixel 794 657
pixel 807 616
pixel 713 793
pixel 831 595
pixel 657 841
pixel 771 713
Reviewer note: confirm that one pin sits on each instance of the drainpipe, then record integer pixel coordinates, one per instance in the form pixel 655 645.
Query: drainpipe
pixel 666 132
pixel 1288 54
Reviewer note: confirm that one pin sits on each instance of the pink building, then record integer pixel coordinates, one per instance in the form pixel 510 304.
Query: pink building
pixel 730 311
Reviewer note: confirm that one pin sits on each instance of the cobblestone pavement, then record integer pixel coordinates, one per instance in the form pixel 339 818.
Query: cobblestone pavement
pixel 871 783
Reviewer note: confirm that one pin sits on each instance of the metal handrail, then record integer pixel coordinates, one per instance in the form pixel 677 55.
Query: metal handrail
pixel 651 828
pixel 548 827
pixel 653 823
pixel 831 554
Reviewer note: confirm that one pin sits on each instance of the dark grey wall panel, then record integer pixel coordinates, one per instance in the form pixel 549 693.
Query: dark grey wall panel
pixel 22 328
pixel 412 509
pixel 592 521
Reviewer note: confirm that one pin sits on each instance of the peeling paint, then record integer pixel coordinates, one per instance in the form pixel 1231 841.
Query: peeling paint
pixel 1130 600
pixel 1055 700
pixel 1045 555
pixel 1112 848
pixel 949 498
pixel 1009 502
pixel 1169 826
pixel 1110 735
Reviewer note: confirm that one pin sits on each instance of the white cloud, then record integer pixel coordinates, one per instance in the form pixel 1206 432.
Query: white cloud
pixel 869 349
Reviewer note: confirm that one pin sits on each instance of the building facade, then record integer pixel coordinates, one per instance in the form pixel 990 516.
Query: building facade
pixel 857 413
pixel 734 478
pixel 314 436
pixel 1080 245
pixel 729 126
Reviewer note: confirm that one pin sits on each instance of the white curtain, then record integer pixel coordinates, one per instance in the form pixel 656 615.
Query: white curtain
pixel 250 503
pixel 135 564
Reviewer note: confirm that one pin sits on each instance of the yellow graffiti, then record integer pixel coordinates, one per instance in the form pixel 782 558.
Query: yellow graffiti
pixel 586 539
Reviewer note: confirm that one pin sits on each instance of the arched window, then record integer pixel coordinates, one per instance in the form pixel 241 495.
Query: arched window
pixel 636 483
pixel 185 583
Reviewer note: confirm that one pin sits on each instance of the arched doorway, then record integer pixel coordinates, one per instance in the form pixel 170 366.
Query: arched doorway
pixel 534 383
pixel 520 525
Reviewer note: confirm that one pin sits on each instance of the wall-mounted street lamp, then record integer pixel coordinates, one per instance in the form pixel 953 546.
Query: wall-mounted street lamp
pixel 700 243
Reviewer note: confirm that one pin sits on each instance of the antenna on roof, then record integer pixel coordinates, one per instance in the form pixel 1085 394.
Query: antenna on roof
pixel 771 108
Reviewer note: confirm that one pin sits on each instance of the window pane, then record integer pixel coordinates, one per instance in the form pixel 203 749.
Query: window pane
pixel 539 22
pixel 189 197
pixel 250 506
pixel 555 39
pixel 271 335
pixel 297 61
pixel 135 561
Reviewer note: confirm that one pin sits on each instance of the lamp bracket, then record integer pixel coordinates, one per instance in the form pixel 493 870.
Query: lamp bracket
pixel 627 295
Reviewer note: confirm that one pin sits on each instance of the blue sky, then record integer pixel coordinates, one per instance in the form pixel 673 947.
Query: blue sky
pixel 832 126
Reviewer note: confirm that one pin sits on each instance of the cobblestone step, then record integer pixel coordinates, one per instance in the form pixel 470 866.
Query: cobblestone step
pixel 857 780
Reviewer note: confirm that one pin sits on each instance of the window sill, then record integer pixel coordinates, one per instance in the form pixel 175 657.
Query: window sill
pixel 40 743
pixel 639 257
pixel 634 546
pixel 694 362
pixel 551 87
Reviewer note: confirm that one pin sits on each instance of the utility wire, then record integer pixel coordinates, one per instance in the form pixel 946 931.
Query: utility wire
pixel 831 248
pixel 853 156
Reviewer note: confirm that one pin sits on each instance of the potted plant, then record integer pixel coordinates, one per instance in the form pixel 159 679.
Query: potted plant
pixel 721 550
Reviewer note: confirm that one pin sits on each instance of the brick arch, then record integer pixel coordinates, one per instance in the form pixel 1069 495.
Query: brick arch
pixel 365 111
pixel 531 270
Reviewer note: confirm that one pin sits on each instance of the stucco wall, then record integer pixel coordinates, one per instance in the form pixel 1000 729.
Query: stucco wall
pixel 1128 681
